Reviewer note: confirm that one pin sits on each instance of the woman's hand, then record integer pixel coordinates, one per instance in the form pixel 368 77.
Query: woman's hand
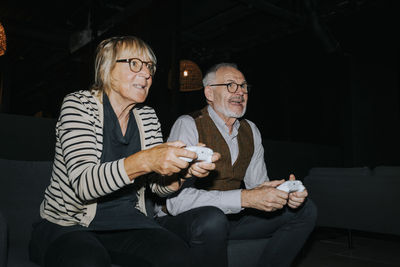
pixel 163 159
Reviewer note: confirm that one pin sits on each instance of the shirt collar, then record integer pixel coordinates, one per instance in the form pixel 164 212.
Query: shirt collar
pixel 219 122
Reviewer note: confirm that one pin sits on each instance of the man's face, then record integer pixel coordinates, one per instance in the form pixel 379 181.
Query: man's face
pixel 227 105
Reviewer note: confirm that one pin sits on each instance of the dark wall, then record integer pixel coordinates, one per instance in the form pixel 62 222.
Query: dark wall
pixel 283 158
pixel 33 139
pixel 303 92
pixel 374 114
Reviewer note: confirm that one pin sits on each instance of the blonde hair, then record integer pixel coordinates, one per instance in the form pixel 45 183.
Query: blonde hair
pixel 109 50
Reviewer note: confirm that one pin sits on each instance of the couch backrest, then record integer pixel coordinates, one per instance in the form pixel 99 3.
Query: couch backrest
pixel 354 198
pixel 26 138
pixel 355 171
pixel 387 170
pixel 22 185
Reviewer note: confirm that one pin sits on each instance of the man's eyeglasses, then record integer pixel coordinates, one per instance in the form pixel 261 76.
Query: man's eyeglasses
pixel 136 65
pixel 232 87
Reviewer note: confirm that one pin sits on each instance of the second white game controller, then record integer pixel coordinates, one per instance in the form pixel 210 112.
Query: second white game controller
pixel 203 153
pixel 292 186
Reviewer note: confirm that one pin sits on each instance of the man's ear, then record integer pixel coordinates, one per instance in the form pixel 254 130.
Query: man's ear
pixel 209 93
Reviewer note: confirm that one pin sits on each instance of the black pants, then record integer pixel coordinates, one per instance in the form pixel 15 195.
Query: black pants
pixel 207 231
pixel 139 248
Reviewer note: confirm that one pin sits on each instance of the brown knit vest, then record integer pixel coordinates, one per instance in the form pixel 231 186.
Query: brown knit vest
pixel 225 176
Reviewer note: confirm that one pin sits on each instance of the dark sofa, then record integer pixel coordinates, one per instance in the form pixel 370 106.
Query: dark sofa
pixel 26 153
pixel 360 199
pixel 22 184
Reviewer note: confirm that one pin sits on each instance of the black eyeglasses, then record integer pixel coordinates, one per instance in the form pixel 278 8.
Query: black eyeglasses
pixel 136 65
pixel 232 87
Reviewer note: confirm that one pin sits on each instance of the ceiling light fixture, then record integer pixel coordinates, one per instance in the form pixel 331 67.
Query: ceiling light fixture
pixel 190 76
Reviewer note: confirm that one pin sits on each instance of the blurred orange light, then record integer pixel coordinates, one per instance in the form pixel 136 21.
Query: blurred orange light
pixel 3 44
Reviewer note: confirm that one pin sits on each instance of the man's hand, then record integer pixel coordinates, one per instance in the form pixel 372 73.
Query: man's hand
pixel 202 169
pixel 198 169
pixel 296 199
pixel 265 197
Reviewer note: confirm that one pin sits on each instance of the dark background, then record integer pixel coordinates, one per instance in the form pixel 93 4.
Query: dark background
pixel 324 73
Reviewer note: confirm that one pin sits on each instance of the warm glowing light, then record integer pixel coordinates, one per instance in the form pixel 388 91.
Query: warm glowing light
pixel 191 77
pixel 3 45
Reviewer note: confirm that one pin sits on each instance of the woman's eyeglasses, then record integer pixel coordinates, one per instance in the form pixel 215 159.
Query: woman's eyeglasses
pixel 136 65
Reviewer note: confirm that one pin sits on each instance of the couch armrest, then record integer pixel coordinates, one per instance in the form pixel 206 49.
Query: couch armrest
pixel 365 203
pixel 3 241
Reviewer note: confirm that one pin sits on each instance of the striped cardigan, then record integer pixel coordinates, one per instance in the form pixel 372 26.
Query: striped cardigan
pixel 78 178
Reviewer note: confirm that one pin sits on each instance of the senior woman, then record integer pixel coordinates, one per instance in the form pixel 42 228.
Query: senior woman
pixel 108 148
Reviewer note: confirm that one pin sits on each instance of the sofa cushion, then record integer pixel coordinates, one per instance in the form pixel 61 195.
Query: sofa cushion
pixel 22 185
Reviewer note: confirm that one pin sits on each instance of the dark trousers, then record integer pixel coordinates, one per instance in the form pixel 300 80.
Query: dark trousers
pixel 139 248
pixel 207 232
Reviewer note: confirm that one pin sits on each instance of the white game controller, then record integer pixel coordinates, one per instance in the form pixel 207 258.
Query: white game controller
pixel 292 186
pixel 203 153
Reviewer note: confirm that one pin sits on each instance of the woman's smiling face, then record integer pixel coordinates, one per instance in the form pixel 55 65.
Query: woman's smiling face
pixel 128 86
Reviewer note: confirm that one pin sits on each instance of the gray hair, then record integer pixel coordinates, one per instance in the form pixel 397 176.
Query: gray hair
pixel 209 77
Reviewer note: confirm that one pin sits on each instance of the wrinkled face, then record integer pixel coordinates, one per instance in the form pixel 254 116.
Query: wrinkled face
pixel 127 86
pixel 227 105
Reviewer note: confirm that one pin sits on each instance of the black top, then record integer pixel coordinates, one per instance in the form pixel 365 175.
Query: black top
pixel 117 210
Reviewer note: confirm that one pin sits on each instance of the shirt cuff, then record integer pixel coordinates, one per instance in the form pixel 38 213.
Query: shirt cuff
pixel 122 170
pixel 231 200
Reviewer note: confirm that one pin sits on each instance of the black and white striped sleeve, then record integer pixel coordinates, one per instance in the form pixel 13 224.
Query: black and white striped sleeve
pixel 78 132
